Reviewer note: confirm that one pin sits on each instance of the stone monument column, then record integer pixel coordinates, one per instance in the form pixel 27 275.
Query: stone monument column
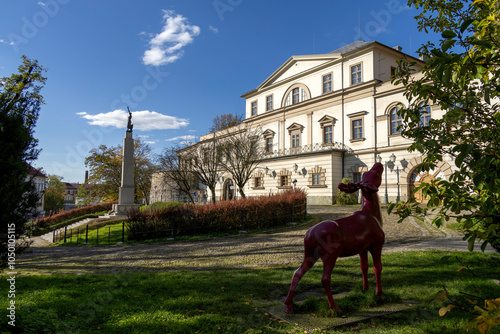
pixel 127 189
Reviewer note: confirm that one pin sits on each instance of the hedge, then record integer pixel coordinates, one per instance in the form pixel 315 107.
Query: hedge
pixel 190 219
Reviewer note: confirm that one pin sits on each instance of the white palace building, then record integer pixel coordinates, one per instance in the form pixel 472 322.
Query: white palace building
pixel 329 116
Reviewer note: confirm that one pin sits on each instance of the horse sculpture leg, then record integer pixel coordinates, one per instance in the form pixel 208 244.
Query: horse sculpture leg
pixel 309 261
pixel 377 268
pixel 363 258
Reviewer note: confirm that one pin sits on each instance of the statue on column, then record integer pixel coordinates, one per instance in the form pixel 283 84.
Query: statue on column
pixel 130 126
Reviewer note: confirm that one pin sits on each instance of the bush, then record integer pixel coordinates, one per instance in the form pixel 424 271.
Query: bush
pixel 73 213
pixel 189 219
pixel 345 198
pixel 156 206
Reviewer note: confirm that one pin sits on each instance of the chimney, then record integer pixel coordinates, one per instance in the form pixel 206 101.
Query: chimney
pixel 398 48
pixel 86 176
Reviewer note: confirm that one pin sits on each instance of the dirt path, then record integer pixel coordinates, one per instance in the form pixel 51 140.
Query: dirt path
pixel 265 250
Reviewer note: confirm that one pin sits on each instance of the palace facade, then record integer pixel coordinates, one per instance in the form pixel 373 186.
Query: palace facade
pixel 325 117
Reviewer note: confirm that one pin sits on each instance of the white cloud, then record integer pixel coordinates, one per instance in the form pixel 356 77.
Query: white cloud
pixel 142 120
pixel 184 138
pixel 213 29
pixel 41 3
pixel 166 47
pixel 2 41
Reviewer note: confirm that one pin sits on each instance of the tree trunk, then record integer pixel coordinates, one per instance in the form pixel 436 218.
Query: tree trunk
pixel 212 190
pixel 242 193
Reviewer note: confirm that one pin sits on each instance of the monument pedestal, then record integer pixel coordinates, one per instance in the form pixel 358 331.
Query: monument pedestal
pixel 127 189
pixel 122 209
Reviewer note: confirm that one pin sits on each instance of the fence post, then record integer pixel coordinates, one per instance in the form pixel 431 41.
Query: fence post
pixel 173 228
pixel 65 229
pixel 242 227
pixel 123 232
pixel 54 236
pixel 292 211
pixel 87 235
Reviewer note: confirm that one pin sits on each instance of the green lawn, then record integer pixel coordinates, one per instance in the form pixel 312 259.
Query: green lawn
pixel 235 301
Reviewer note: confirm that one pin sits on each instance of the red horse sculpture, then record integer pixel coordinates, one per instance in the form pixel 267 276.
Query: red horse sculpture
pixel 357 234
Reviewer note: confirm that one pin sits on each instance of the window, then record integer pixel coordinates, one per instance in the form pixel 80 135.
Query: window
pixel 268 140
pixel 269 103
pixel 356 177
pixel 425 114
pixel 295 139
pixel 328 134
pixel 295 95
pixel 327 83
pixel 295 131
pixel 284 180
pixel 254 108
pixel 257 182
pixel 356 74
pixel 316 179
pixel 327 122
pixel 396 121
pixel 269 145
pixel 357 129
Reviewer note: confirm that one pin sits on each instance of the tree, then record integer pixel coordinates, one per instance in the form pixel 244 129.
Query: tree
pixel 206 163
pixel 105 172
pixel 105 166
pixel 20 103
pixel 177 170
pixel 82 197
pixel 54 194
pixel 225 121
pixel 241 148
pixel 461 76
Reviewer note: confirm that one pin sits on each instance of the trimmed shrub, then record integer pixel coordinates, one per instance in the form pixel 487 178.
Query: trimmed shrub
pixel 345 198
pixel 73 213
pixel 189 219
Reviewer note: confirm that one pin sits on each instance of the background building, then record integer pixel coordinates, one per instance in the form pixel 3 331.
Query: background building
pixel 329 116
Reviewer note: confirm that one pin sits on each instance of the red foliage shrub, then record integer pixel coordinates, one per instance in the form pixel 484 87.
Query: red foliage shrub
pixel 73 213
pixel 249 213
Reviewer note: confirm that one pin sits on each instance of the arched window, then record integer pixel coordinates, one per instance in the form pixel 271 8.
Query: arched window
pixel 425 113
pixel 296 94
pixel 396 121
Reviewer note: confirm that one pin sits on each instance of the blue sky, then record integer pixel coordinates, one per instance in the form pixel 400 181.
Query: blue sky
pixel 177 64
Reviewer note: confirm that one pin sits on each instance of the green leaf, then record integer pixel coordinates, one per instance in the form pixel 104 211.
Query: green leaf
pixel 483 246
pixel 390 207
pixel 448 34
pixel 472 240
pixel 466 24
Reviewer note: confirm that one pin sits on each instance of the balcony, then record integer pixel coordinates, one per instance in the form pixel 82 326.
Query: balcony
pixel 307 149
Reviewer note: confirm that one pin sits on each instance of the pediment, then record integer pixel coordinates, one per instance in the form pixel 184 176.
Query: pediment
pixel 268 133
pixel 295 126
pixel 327 119
pixel 295 66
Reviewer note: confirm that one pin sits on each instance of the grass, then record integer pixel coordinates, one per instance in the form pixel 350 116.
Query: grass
pixel 235 301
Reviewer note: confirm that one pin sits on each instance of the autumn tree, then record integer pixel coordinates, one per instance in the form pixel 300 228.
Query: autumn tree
pixel 54 194
pixel 177 170
pixel 83 197
pixel 205 162
pixel 105 171
pixel 225 121
pixel 241 149
pixel 20 103
pixel 461 76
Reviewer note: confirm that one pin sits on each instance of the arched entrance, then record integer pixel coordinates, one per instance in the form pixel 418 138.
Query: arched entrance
pixel 417 178
pixel 228 190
